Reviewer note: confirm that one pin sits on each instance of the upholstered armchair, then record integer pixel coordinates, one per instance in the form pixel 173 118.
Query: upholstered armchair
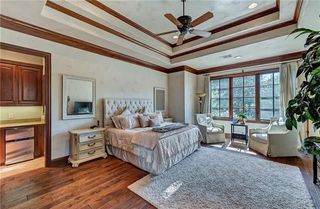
pixel 211 132
pixel 274 141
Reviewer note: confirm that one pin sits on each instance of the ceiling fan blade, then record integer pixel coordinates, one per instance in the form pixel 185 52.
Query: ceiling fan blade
pixel 168 32
pixel 201 33
pixel 180 39
pixel 173 19
pixel 202 19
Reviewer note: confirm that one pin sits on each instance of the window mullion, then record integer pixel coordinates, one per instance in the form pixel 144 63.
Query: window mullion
pixel 230 97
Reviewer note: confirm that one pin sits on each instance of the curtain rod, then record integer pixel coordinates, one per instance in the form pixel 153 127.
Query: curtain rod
pixel 251 67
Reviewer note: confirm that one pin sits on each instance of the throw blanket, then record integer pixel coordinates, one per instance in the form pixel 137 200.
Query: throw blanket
pixel 170 127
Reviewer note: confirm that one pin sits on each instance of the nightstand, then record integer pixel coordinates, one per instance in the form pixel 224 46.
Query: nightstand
pixel 85 145
pixel 170 120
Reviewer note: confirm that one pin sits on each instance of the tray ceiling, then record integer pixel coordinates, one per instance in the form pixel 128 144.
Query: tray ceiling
pixel 149 13
pixel 86 21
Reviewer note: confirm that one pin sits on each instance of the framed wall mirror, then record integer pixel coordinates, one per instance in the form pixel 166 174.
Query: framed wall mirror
pixel 78 97
pixel 159 99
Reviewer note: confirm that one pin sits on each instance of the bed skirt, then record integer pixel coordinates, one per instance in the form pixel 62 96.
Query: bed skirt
pixel 156 166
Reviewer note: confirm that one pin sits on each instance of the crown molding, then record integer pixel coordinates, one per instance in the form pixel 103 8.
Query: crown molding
pixel 130 22
pixel 244 20
pixel 263 61
pixel 33 30
pixel 93 23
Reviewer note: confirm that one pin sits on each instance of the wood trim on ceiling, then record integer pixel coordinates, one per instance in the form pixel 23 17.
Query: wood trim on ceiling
pixel 297 11
pixel 123 18
pixel 182 68
pixel 244 20
pixel 23 27
pixel 273 70
pixel 237 38
pixel 263 61
pixel 93 23
pixel 47 90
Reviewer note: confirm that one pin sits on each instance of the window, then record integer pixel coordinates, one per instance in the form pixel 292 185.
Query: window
pixel 256 95
pixel 220 98
pixel 244 96
pixel 270 95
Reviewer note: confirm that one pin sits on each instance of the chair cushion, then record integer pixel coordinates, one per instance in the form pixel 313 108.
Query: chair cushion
pixel 214 130
pixel 262 138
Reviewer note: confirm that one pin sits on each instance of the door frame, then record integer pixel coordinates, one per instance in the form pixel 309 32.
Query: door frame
pixel 47 90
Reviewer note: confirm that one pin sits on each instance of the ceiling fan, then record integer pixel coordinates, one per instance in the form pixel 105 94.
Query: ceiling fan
pixel 185 24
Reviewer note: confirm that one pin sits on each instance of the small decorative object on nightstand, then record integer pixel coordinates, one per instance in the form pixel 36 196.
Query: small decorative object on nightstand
pixel 170 120
pixel 86 144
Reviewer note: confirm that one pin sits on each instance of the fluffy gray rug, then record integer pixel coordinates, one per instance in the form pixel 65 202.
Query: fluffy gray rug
pixel 212 178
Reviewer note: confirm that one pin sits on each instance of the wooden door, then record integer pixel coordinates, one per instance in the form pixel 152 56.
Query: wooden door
pixel 30 85
pixel 8 84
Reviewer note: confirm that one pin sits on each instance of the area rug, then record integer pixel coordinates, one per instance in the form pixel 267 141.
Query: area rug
pixel 213 178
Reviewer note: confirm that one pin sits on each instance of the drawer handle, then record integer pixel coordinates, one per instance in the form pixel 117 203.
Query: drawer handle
pixel 91 152
pixel 91 137
pixel 91 144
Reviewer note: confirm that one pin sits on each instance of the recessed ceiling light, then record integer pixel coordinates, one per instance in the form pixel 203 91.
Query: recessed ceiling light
pixel 253 5
pixel 175 37
pixel 238 57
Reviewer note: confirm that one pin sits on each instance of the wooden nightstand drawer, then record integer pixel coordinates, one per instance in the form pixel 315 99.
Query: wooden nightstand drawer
pixel 91 152
pixel 90 136
pixel 85 145
pixel 91 144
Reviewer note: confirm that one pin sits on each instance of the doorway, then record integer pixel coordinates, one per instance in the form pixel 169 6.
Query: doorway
pixel 46 106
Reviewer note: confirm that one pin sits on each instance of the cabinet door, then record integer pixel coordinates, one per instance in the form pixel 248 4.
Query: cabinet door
pixel 8 84
pixel 29 85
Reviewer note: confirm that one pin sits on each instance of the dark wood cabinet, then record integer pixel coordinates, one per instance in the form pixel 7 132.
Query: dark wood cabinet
pixel 8 84
pixel 21 84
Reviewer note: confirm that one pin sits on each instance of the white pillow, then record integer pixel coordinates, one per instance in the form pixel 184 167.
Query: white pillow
pixel 157 115
pixel 116 119
pixel 129 121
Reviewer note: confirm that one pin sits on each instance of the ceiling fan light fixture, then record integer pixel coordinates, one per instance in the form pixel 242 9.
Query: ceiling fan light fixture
pixel 253 5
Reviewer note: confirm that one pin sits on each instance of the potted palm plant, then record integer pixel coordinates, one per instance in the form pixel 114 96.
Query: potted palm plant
pixel 305 106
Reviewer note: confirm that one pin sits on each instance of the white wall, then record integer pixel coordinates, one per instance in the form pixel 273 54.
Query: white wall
pixel 190 80
pixel 176 96
pixel 114 78
pixel 182 101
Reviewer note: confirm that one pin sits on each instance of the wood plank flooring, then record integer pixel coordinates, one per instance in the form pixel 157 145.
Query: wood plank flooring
pixel 98 184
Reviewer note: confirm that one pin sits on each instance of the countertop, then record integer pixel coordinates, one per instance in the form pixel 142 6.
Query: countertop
pixel 21 122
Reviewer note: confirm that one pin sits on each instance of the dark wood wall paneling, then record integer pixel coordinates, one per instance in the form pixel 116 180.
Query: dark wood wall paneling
pixel 46 99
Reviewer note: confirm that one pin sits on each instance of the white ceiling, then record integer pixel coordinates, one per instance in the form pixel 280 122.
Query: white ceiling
pixel 149 13
pixel 36 13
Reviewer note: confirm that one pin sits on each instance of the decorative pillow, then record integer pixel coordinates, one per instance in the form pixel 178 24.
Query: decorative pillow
pixel 154 122
pixel 157 115
pixel 144 120
pixel 116 119
pixel 129 121
pixel 141 110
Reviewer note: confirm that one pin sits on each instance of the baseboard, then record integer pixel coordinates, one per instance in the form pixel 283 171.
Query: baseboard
pixel 59 161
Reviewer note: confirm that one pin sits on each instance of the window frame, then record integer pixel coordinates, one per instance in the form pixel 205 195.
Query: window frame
pixel 257 92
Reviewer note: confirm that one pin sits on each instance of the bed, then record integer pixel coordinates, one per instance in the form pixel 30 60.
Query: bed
pixel 148 150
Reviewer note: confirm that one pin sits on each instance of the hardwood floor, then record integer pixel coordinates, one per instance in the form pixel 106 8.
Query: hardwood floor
pixel 100 184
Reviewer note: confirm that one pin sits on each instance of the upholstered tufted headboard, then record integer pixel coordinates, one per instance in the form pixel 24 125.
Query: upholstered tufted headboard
pixel 111 106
